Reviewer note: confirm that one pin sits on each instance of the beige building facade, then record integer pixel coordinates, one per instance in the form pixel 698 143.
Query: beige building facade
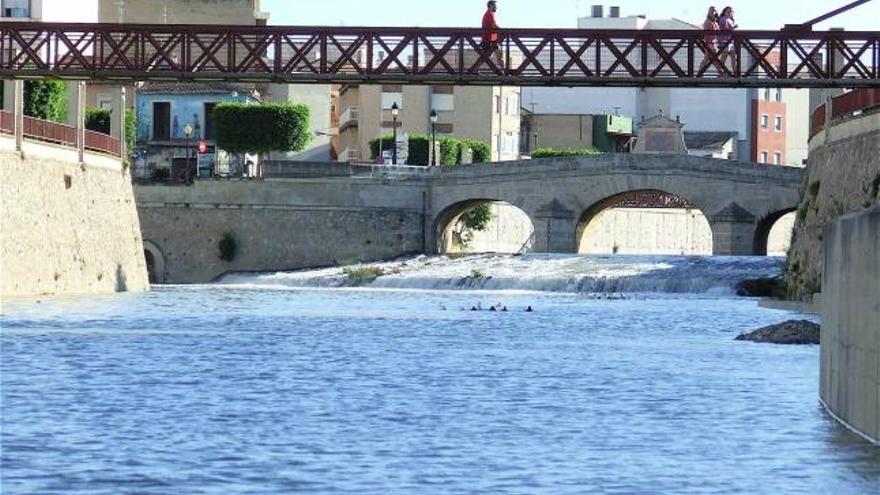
pixel 490 114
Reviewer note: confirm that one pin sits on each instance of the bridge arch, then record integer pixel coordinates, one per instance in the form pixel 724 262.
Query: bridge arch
pixel 657 222
pixel 773 233
pixel 509 228
pixel 155 260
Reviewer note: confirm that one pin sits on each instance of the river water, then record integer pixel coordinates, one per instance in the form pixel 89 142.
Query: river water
pixel 625 379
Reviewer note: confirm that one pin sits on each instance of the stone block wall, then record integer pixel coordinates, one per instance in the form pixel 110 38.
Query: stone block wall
pixel 67 228
pixel 843 176
pixel 850 364
pixel 276 225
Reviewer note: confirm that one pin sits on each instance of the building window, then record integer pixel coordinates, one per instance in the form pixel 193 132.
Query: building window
pixel 763 157
pixel 161 121
pixel 497 104
pixel 777 123
pixel 765 121
pixel 777 158
pixel 778 95
pixel 766 94
pixel 16 8
pixel 209 121
pixel 105 102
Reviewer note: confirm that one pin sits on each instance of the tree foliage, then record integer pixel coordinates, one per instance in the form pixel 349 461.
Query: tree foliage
pixel 451 149
pixel 99 120
pixel 554 152
pixel 477 218
pixel 46 99
pixel 262 128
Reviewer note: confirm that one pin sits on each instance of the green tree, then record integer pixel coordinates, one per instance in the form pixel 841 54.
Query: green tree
pixel 262 128
pixel 478 217
pixel 99 120
pixel 46 99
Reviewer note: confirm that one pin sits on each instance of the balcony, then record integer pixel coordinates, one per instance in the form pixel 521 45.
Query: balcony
pixel 349 116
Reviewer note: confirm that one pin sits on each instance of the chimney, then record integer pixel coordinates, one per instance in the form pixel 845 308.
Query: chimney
pixel 615 12
pixel 598 11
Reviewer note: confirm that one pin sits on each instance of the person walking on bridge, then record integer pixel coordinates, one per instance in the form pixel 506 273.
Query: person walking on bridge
pixel 491 37
pixel 710 38
pixel 727 24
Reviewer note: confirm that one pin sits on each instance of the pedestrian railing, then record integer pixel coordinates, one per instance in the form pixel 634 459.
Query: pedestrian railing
pixel 859 100
pixel 371 55
pixel 61 134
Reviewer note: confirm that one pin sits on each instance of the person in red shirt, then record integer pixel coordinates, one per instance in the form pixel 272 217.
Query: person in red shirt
pixel 491 38
pixel 710 38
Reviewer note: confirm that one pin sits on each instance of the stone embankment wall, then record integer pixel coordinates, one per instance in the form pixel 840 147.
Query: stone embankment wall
pixel 67 228
pixel 850 365
pixel 276 225
pixel 843 176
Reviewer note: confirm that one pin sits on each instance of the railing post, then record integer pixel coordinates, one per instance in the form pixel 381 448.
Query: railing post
pixel 117 119
pixel 76 114
pixel 18 112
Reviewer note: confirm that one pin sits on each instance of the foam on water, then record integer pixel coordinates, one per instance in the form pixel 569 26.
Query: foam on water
pixel 537 272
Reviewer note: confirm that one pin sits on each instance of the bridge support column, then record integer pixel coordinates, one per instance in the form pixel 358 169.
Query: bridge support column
pixel 76 114
pixel 555 228
pixel 733 232
pixel 117 120
pixel 16 106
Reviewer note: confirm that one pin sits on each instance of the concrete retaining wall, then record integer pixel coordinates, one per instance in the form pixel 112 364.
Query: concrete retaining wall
pixel 850 367
pixel 66 228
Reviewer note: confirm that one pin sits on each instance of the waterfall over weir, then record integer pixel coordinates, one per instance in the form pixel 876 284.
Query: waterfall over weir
pixel 532 272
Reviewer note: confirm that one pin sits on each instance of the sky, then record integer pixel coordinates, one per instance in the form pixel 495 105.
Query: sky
pixel 751 14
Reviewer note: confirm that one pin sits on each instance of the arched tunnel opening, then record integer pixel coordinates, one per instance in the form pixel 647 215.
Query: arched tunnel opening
pixel 647 222
pixel 773 235
pixel 484 226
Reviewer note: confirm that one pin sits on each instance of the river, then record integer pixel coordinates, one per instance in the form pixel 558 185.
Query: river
pixel 625 379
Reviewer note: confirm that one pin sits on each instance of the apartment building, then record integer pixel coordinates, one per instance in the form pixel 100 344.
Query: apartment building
pixel 490 114
pixel 49 10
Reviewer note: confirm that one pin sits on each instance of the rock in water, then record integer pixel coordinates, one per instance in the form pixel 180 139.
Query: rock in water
pixel 798 332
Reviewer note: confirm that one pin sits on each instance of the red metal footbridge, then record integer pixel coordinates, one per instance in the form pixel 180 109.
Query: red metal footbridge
pixel 793 57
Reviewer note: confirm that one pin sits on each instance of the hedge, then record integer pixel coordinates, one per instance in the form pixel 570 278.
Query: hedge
pixel 98 120
pixel 451 149
pixel 46 99
pixel 551 152
pixel 262 128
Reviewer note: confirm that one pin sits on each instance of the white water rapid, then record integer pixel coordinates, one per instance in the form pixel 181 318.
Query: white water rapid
pixel 614 274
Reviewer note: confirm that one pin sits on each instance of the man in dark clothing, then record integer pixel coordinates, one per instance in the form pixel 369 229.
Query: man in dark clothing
pixel 491 38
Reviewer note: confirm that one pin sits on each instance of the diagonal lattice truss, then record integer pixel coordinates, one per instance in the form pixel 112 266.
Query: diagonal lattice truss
pixel 529 57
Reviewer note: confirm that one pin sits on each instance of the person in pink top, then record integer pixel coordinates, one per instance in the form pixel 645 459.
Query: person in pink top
pixel 727 24
pixel 710 38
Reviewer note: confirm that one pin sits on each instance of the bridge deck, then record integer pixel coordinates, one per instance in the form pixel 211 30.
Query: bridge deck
pixel 528 57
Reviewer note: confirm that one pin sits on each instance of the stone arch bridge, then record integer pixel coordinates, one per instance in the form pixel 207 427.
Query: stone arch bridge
pixel 311 215
pixel 741 201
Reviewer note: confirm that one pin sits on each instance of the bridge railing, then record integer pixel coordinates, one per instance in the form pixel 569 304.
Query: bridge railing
pixel 61 134
pixel 439 55
pixel 859 100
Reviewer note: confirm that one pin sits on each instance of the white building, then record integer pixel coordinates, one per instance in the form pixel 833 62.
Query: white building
pixel 49 10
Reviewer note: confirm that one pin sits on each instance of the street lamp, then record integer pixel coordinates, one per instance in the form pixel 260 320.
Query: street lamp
pixel 395 110
pixel 187 132
pixel 434 119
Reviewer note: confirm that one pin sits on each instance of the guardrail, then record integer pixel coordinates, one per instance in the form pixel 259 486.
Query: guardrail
pixel 858 100
pixel 61 134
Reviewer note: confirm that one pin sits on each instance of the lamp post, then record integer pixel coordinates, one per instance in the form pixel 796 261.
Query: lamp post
pixel 187 132
pixel 433 138
pixel 395 110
